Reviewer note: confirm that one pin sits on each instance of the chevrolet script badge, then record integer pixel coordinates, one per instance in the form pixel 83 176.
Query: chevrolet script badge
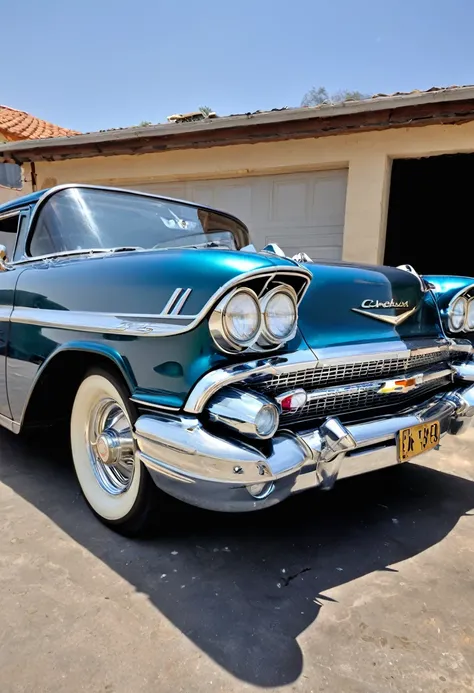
pixel 369 304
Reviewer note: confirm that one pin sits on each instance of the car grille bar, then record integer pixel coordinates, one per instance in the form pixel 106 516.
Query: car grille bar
pixel 343 373
pixel 335 389
pixel 344 399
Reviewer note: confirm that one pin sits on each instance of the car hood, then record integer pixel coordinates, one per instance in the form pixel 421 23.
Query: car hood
pixel 140 282
pixel 329 314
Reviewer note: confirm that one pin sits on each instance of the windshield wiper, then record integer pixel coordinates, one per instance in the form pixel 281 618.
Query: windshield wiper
pixel 118 249
pixel 209 244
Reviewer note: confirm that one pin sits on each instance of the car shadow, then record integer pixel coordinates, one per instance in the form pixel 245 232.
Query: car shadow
pixel 243 587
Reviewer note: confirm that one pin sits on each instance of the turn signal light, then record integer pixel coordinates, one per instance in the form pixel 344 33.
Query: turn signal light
pixel 292 401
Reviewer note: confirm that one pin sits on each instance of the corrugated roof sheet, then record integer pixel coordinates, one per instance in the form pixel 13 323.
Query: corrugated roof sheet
pixel 19 125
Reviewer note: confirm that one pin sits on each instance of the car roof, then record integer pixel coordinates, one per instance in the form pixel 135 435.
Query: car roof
pixel 23 201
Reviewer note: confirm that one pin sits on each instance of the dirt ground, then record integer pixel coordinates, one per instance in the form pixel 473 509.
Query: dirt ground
pixel 367 588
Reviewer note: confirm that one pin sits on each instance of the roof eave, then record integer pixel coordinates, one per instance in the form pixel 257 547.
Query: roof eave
pixel 451 105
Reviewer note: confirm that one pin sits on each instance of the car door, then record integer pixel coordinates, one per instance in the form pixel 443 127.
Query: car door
pixel 11 223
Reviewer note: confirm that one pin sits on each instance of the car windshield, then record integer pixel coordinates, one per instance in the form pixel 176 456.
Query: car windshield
pixel 76 219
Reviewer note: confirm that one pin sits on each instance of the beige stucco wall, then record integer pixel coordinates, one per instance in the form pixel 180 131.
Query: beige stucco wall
pixel 368 157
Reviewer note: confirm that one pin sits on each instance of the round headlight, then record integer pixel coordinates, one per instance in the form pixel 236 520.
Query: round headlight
pixel 236 321
pixel 280 315
pixel 457 314
pixel 470 315
pixel 242 318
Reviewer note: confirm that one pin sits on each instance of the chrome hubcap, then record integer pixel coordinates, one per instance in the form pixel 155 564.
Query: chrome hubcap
pixel 111 447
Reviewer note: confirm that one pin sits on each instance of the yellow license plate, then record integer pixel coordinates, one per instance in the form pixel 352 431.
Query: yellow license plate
pixel 417 439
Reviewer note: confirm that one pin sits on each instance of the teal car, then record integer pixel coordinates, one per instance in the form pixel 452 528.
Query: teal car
pixel 184 362
pixel 455 297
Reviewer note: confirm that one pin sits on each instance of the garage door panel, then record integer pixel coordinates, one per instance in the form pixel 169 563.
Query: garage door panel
pixel 329 200
pixel 237 200
pixel 299 211
pixel 177 190
pixel 290 200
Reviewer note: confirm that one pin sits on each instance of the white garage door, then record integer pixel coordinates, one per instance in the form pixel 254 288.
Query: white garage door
pixel 303 211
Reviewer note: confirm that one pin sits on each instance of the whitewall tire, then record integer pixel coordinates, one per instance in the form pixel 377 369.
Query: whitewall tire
pixel 115 484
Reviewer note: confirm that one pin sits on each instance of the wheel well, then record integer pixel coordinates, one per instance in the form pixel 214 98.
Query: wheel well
pixel 53 394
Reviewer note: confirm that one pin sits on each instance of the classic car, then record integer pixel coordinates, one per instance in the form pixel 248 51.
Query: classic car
pixel 455 298
pixel 184 362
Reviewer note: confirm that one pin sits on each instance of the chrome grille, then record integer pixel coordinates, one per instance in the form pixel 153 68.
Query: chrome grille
pixel 321 376
pixel 356 401
pixel 337 401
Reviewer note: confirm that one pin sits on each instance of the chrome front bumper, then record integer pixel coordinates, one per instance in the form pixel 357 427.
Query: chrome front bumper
pixel 208 471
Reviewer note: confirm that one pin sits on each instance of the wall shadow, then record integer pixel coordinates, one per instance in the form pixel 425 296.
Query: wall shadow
pixel 236 604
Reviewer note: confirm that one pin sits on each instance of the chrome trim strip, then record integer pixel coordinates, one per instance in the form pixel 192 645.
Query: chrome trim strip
pixel 380 385
pixel 152 405
pixel 12 213
pixel 5 313
pixel 391 319
pixel 174 297
pixel 210 383
pixel 88 321
pixel 330 356
pixel 140 325
pixel 181 302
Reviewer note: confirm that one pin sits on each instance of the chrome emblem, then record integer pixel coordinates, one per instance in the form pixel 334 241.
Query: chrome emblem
pixel 369 304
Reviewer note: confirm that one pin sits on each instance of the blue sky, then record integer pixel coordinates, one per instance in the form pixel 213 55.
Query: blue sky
pixel 96 64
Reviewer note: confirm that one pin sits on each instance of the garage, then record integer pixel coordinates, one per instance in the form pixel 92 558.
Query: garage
pixel 430 210
pixel 303 211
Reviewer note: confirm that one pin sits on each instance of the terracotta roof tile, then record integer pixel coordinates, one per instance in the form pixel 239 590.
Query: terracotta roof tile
pixel 18 125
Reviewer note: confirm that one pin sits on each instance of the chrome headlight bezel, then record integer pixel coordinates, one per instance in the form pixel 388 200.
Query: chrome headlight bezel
pixel 461 300
pixel 267 337
pixel 219 329
pixel 469 324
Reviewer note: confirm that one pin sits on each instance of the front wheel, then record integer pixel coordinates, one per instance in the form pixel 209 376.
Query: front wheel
pixel 115 484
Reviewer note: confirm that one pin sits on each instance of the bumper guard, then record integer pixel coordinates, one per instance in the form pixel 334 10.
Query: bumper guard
pixel 210 471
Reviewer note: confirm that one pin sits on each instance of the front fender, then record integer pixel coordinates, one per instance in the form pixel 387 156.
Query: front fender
pixel 446 289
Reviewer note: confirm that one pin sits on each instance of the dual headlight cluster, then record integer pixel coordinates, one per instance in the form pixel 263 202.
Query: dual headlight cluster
pixel 242 320
pixel 461 315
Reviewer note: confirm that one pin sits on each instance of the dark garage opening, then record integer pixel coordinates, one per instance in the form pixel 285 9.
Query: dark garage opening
pixel 430 215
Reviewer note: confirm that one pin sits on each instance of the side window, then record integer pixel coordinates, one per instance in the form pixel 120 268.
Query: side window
pixel 46 237
pixel 8 232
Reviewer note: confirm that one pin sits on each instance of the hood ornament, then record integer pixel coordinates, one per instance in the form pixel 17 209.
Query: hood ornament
pixel 369 304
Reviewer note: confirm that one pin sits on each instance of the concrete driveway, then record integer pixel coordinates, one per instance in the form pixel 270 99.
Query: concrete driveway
pixel 368 588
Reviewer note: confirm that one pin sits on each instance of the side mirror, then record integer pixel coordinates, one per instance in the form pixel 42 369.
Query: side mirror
pixel 3 258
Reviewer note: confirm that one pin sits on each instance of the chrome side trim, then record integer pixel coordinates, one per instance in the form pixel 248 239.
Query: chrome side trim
pixel 5 313
pixel 140 325
pixel 88 321
pixel 302 360
pixel 152 405
pixel 174 297
pixel 12 213
pixel 181 302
